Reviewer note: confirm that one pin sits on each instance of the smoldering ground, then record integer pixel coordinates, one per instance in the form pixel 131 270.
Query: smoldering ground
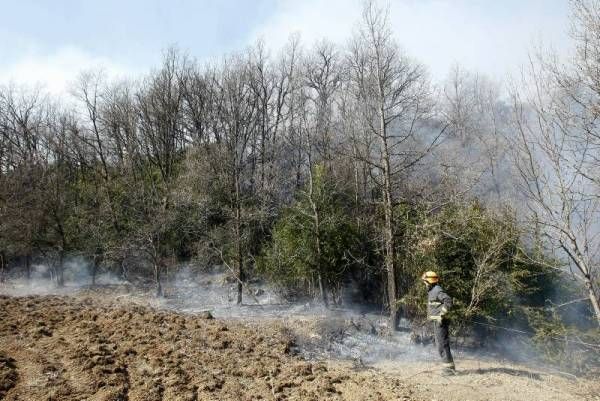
pixel 77 273
pixel 198 326
pixel 355 333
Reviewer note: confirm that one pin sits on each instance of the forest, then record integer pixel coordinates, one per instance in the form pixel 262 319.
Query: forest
pixel 337 173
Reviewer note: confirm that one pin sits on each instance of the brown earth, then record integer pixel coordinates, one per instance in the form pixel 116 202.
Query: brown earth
pixel 80 348
pixel 478 380
pixel 8 374
pixel 86 347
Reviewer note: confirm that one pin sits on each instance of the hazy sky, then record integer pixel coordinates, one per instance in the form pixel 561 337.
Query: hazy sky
pixel 49 41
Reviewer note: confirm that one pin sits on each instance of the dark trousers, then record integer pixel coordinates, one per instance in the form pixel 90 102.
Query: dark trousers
pixel 442 340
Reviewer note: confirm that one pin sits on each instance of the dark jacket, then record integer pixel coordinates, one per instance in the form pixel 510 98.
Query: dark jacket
pixel 437 300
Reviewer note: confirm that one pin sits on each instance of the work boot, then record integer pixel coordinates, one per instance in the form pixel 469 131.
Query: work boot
pixel 448 372
pixel 449 369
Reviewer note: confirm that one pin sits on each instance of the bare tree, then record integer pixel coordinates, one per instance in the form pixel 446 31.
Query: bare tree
pixel 314 113
pixel 159 111
pixel 478 123
pixel 552 154
pixel 198 113
pixel 237 124
pixel 393 92
pixel 23 125
pixel 161 138
pixel 556 115
pixel 323 76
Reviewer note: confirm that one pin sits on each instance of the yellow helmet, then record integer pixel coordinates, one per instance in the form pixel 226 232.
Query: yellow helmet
pixel 430 277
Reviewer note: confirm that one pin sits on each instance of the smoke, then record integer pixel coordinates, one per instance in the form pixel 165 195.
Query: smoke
pixel 77 274
pixel 193 290
pixel 347 334
pixel 353 332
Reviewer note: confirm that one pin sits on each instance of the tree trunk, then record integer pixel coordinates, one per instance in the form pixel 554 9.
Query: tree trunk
pixel 238 241
pixel 159 289
pixel 95 269
pixel 390 264
pixel 60 280
pixel 322 285
pixel 2 267
pixel 578 259
pixel 390 246
pixel 322 291
pixel 356 185
pixel 299 170
pixel 319 266
pixel 28 266
pixel 593 298
pixel 317 230
pixel 262 153
pixel 122 269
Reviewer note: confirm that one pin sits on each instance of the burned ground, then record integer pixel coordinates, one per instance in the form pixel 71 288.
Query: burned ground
pixel 74 348
pixel 111 344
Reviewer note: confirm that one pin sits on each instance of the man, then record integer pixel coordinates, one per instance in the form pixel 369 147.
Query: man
pixel 438 304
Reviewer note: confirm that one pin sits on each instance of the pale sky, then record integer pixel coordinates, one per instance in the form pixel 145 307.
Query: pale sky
pixel 50 41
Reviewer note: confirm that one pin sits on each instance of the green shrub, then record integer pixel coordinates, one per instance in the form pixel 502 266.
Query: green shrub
pixel 292 260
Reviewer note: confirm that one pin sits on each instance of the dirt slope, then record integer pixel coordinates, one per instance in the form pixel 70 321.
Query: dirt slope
pixel 57 348
pixel 478 377
pixel 62 348
pixel 488 380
